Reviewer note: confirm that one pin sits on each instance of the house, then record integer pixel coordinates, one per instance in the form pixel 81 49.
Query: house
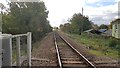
pixel 93 31
pixel 102 30
pixel 107 33
pixel 116 28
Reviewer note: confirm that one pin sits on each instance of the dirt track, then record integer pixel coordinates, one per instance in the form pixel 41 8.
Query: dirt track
pixel 45 54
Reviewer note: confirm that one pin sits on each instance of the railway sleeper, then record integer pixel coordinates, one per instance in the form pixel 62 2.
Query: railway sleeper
pixel 74 66
pixel 70 58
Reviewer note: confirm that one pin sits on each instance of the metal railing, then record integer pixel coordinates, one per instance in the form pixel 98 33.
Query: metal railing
pixel 7 56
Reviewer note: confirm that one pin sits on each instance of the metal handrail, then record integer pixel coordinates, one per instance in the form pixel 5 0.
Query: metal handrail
pixel 20 35
pixel 18 47
pixel 17 37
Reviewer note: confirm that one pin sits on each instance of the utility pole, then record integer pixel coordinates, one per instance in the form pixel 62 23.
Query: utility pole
pixel 82 10
pixel 82 21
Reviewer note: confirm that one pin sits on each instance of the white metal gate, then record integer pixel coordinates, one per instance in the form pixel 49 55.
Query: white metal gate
pixel 6 48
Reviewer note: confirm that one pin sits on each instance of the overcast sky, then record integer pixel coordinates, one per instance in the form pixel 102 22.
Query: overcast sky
pixel 98 11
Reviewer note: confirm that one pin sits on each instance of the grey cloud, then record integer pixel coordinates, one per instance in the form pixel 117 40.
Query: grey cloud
pixel 102 20
pixel 119 9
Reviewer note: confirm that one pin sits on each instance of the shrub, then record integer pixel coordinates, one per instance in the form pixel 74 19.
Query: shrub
pixel 113 43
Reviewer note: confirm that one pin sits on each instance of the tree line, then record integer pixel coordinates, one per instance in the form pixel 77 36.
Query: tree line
pixel 79 23
pixel 26 17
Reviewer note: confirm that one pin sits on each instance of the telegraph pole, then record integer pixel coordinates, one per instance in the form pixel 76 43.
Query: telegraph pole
pixel 82 10
pixel 82 21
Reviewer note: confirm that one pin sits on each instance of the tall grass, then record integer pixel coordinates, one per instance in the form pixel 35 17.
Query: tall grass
pixel 99 45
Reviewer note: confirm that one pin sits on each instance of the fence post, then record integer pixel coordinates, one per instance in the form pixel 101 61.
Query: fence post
pixel 29 47
pixel 18 51
pixel 7 47
pixel 0 51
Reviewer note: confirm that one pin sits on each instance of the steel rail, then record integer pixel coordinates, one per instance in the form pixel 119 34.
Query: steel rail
pixel 58 54
pixel 85 59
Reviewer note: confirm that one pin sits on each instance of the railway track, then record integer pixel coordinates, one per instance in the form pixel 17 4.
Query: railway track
pixel 68 56
pixel 64 55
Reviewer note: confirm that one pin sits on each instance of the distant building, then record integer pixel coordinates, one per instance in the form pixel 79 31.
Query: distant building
pixel 107 33
pixel 93 31
pixel 116 28
pixel 102 30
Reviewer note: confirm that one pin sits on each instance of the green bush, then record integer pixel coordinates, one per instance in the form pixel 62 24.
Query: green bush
pixel 113 43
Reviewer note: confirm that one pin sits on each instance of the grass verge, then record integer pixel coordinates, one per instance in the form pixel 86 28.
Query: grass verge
pixel 98 45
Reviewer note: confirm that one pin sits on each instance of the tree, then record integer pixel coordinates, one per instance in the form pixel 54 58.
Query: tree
pixel 66 27
pixel 103 26
pixel 80 23
pixel 95 26
pixel 25 17
pixel 110 26
pixel 2 9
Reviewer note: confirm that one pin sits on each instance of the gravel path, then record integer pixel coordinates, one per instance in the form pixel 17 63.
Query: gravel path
pixel 45 54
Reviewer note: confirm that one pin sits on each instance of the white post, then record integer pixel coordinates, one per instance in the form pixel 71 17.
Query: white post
pixel 29 47
pixel 7 53
pixel 1 51
pixel 11 51
pixel 18 51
